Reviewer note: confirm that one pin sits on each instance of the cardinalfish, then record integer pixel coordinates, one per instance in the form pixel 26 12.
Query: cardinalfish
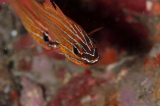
pixel 47 24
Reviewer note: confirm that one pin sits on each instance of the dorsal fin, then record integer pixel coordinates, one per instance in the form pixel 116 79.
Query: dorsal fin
pixel 51 5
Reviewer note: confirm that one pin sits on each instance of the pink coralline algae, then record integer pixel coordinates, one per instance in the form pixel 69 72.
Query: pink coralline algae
pixel 31 94
pixel 4 1
pixel 77 88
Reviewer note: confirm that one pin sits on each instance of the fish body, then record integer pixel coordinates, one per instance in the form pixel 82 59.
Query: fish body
pixel 52 29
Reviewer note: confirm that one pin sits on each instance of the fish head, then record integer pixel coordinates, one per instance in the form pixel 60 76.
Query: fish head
pixel 82 52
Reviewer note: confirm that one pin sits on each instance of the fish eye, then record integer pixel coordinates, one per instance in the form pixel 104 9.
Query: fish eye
pixel 75 50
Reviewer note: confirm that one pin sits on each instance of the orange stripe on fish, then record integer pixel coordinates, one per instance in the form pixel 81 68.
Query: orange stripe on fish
pixel 52 29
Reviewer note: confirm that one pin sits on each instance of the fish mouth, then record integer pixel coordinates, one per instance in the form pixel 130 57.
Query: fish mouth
pixel 84 61
pixel 92 61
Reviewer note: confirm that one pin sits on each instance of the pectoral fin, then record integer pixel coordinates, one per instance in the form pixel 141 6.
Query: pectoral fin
pixel 23 43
